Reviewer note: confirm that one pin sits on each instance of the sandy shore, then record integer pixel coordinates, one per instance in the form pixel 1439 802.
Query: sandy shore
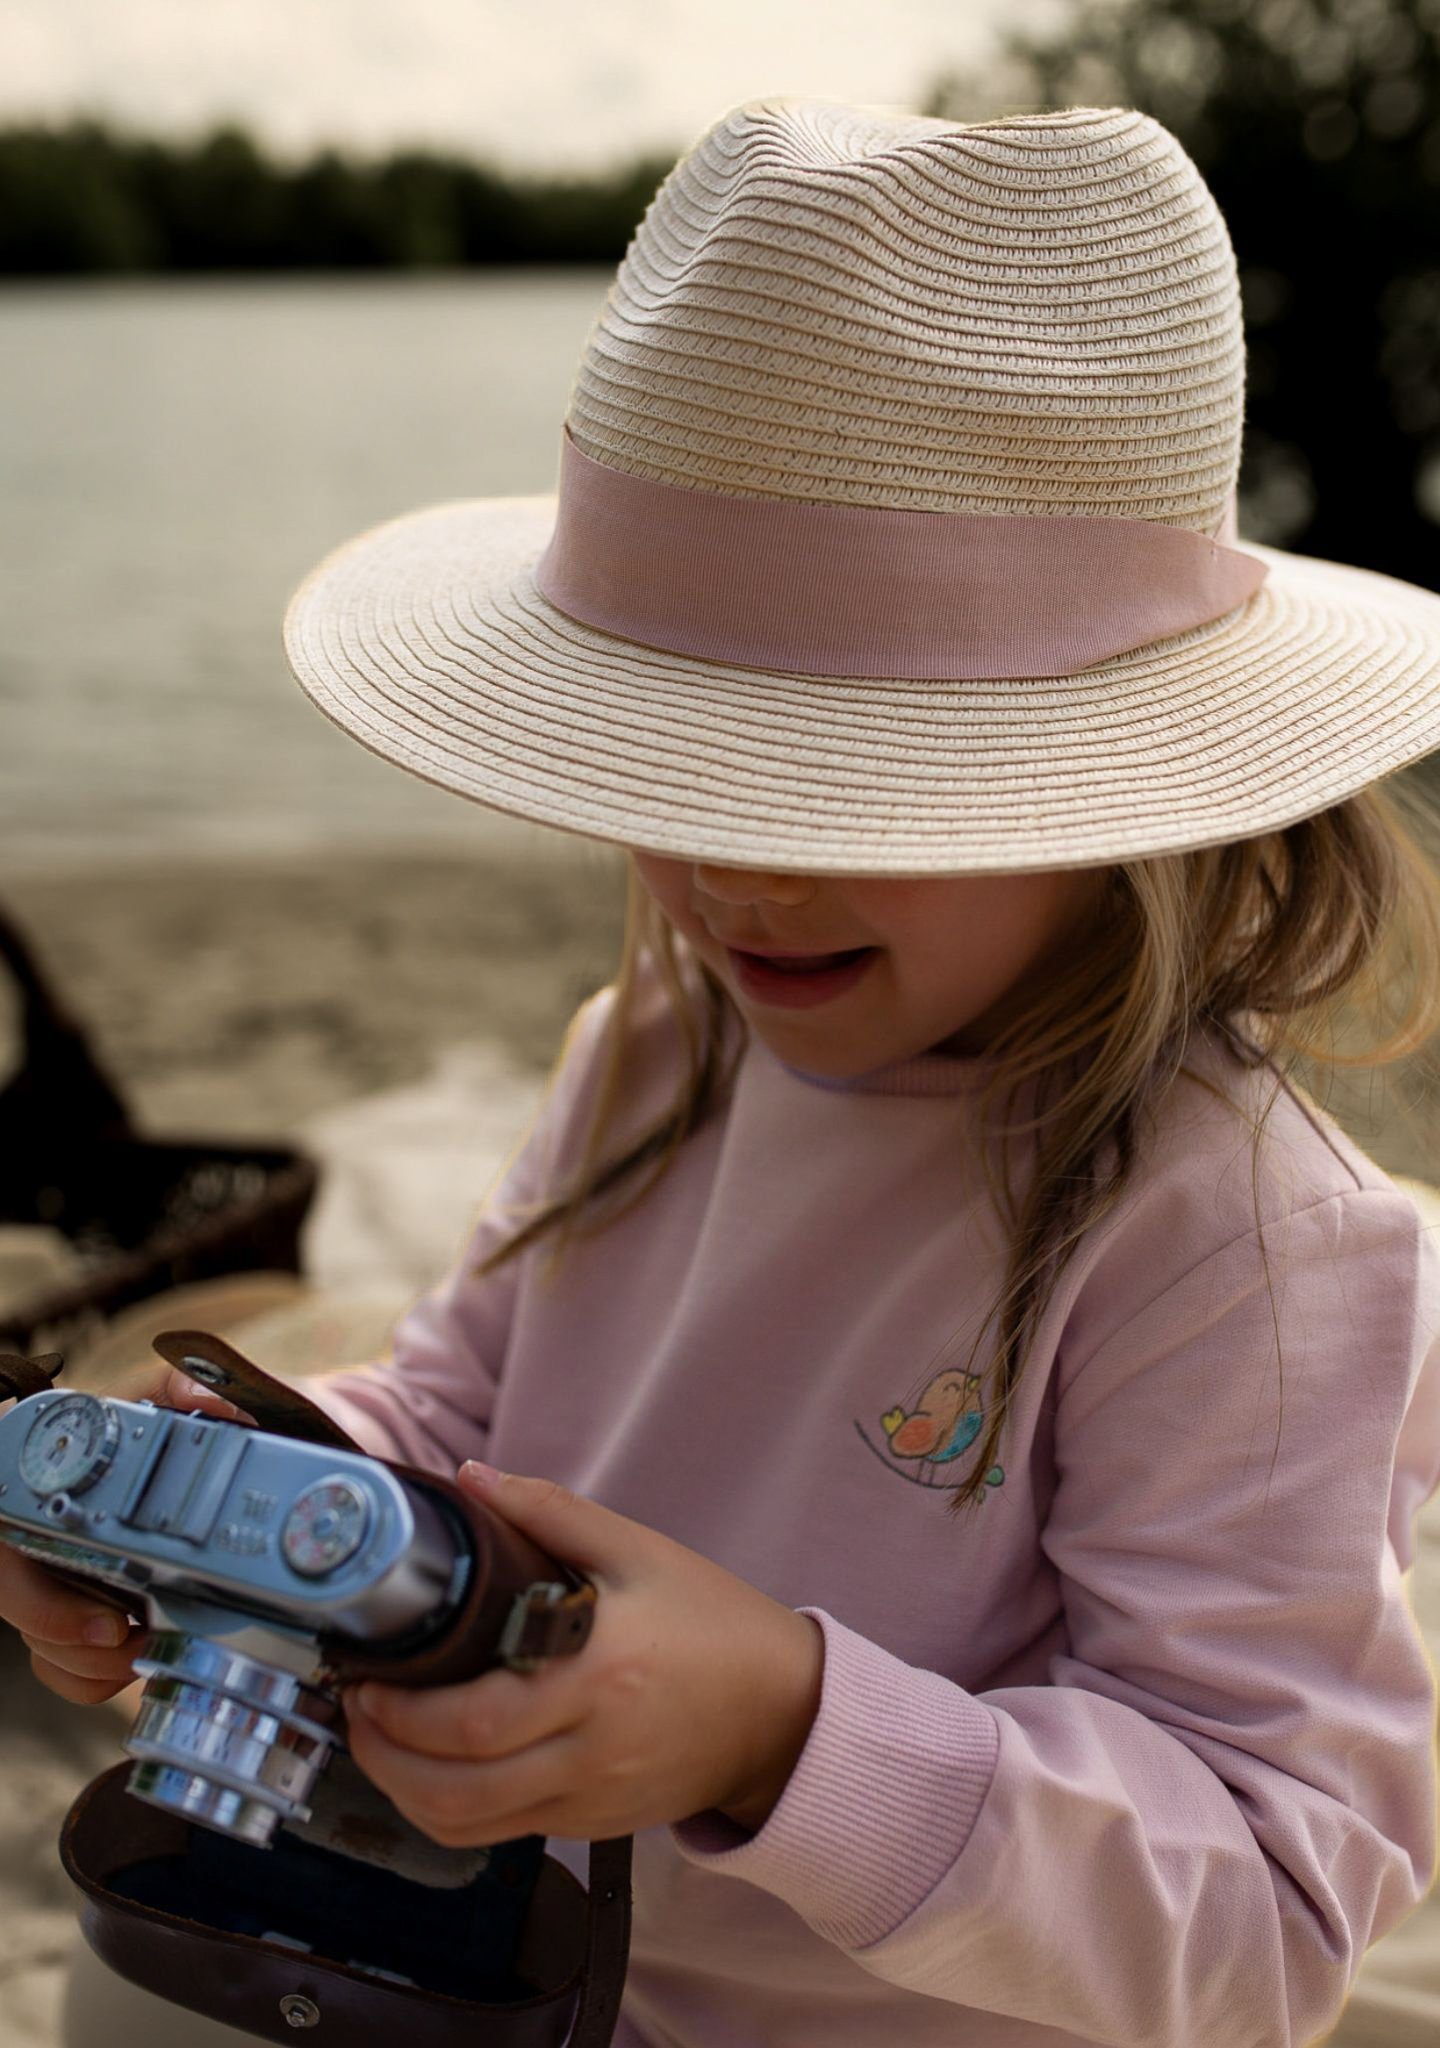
pixel 237 998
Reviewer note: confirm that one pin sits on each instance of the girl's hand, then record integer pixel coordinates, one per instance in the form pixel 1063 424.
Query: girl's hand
pixel 695 1690
pixel 84 1648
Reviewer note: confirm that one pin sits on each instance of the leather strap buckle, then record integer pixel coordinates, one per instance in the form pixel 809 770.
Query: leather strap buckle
pixel 542 1620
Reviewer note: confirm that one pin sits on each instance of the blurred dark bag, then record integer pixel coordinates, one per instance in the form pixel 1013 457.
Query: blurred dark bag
pixel 140 1214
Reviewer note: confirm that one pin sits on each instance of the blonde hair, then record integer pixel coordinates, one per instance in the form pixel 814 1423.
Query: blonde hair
pixel 1281 942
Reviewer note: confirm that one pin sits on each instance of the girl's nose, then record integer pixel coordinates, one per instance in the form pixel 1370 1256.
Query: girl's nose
pixel 752 885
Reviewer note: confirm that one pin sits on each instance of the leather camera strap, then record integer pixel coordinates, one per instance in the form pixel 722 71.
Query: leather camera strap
pixel 21 1377
pixel 275 1405
pixel 607 1944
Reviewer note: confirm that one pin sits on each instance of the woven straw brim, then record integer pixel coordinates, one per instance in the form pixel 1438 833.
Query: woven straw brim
pixel 426 640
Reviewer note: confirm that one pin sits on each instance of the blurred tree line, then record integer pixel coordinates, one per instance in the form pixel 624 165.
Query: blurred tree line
pixel 1316 124
pixel 84 198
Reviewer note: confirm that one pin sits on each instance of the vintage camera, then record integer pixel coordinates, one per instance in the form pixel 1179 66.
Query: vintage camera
pixel 270 1570
pixel 257 1877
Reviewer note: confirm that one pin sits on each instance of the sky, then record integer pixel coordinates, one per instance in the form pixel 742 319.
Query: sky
pixel 534 85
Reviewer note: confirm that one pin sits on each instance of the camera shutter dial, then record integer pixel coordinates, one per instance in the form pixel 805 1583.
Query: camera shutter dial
pixel 70 1445
pixel 326 1526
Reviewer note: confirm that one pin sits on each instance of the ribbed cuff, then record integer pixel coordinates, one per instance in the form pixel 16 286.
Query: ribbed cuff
pixel 880 1803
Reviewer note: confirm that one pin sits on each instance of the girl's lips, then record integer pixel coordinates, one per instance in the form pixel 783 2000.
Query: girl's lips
pixel 798 989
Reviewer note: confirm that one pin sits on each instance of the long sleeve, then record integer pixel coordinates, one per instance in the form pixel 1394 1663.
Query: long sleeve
pixel 429 1404
pixel 1226 1791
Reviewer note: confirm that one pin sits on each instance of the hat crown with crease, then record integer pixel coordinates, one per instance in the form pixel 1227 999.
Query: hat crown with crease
pixel 1038 316
pixel 894 531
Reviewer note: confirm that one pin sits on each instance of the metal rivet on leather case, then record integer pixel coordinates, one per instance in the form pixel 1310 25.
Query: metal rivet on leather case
pixel 300 2012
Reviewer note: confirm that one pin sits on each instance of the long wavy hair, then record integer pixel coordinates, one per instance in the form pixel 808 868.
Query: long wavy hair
pixel 1288 943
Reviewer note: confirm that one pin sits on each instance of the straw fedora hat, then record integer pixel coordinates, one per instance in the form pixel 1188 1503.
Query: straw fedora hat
pixel 894 531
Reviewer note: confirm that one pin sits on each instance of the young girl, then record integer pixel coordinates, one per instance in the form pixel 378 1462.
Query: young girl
pixel 997 824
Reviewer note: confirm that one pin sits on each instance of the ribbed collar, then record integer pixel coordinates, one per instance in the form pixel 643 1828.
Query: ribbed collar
pixel 926 1073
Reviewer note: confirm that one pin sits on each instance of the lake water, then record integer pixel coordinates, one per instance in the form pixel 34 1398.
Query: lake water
pixel 174 457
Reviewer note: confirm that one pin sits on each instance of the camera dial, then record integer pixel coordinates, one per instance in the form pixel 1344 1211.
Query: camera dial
pixel 70 1445
pixel 325 1527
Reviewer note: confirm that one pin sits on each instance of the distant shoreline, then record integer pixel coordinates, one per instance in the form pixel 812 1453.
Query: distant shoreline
pixel 87 197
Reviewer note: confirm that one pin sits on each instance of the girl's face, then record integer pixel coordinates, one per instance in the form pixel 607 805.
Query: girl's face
pixel 949 957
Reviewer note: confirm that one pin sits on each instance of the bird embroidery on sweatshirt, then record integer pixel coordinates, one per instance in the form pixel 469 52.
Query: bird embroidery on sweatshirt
pixel 938 1429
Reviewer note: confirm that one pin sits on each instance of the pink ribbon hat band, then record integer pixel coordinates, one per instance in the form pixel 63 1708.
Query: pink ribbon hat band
pixel 860 591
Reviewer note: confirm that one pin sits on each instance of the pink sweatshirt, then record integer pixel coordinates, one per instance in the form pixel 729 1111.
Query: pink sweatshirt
pixel 1140 1751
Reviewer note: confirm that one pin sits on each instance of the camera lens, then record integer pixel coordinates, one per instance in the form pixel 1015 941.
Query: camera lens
pixel 227 1739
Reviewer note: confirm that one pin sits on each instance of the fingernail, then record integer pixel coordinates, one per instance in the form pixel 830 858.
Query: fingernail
pixel 476 1468
pixel 198 1392
pixel 106 1631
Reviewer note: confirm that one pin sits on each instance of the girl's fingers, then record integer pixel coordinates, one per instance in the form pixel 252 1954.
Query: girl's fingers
pixel 477 1719
pixel 178 1390
pixel 88 1641
pixel 83 1663
pixel 36 1603
pixel 169 1387
pixel 465 1805
pixel 84 1692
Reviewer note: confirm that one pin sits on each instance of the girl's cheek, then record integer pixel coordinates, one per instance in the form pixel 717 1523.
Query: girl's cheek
pixel 664 881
